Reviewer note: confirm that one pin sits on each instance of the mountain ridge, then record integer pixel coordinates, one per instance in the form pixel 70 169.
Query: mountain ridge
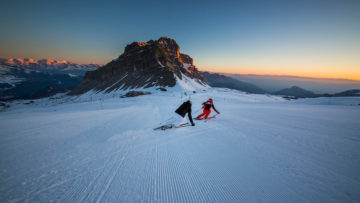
pixel 295 91
pixel 29 78
pixel 156 63
pixel 219 80
pixel 30 62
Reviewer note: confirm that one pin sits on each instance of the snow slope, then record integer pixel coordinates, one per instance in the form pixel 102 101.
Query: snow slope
pixel 260 148
pixel 185 85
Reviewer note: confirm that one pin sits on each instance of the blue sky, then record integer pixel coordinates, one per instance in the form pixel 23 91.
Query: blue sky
pixel 309 38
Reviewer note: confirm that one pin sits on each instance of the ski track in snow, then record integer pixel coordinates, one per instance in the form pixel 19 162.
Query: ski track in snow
pixel 259 149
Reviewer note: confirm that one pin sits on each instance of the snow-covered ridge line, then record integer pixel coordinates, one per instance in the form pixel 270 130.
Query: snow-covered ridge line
pixel 184 86
pixel 41 62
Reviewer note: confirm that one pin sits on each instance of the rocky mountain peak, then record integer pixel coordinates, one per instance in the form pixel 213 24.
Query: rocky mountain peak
pixel 170 46
pixel 186 59
pixel 167 44
pixel 135 46
pixel 156 63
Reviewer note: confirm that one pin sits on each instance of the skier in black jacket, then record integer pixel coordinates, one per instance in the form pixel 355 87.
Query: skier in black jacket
pixel 185 108
pixel 178 120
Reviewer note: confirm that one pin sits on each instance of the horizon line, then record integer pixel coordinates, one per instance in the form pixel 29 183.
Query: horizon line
pixel 282 75
pixel 202 69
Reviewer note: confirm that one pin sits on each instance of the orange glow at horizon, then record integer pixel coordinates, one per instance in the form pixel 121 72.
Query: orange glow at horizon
pixel 301 72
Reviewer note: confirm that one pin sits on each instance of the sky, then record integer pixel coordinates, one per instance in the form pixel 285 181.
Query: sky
pixel 301 38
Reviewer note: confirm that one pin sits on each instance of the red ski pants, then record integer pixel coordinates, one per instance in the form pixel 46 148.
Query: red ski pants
pixel 205 113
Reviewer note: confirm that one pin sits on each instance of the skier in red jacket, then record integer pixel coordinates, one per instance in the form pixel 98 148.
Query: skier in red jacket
pixel 207 109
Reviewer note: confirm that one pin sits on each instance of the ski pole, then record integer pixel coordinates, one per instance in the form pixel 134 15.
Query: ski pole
pixel 166 120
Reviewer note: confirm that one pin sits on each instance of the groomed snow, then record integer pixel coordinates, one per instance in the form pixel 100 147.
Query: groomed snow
pixel 261 148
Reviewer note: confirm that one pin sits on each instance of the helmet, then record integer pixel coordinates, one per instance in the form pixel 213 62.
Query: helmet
pixel 210 100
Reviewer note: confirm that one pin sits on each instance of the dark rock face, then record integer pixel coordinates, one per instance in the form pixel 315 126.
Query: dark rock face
pixel 143 64
pixel 135 94
pixel 189 66
pixel 186 59
pixel 162 89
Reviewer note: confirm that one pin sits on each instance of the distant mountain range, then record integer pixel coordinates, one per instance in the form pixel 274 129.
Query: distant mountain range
pixel 31 79
pixel 298 92
pixel 348 93
pixel 295 92
pixel 274 83
pixel 218 80
pixel 48 65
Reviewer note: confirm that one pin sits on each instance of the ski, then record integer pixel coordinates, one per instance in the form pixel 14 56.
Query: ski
pixel 166 127
pixel 199 119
